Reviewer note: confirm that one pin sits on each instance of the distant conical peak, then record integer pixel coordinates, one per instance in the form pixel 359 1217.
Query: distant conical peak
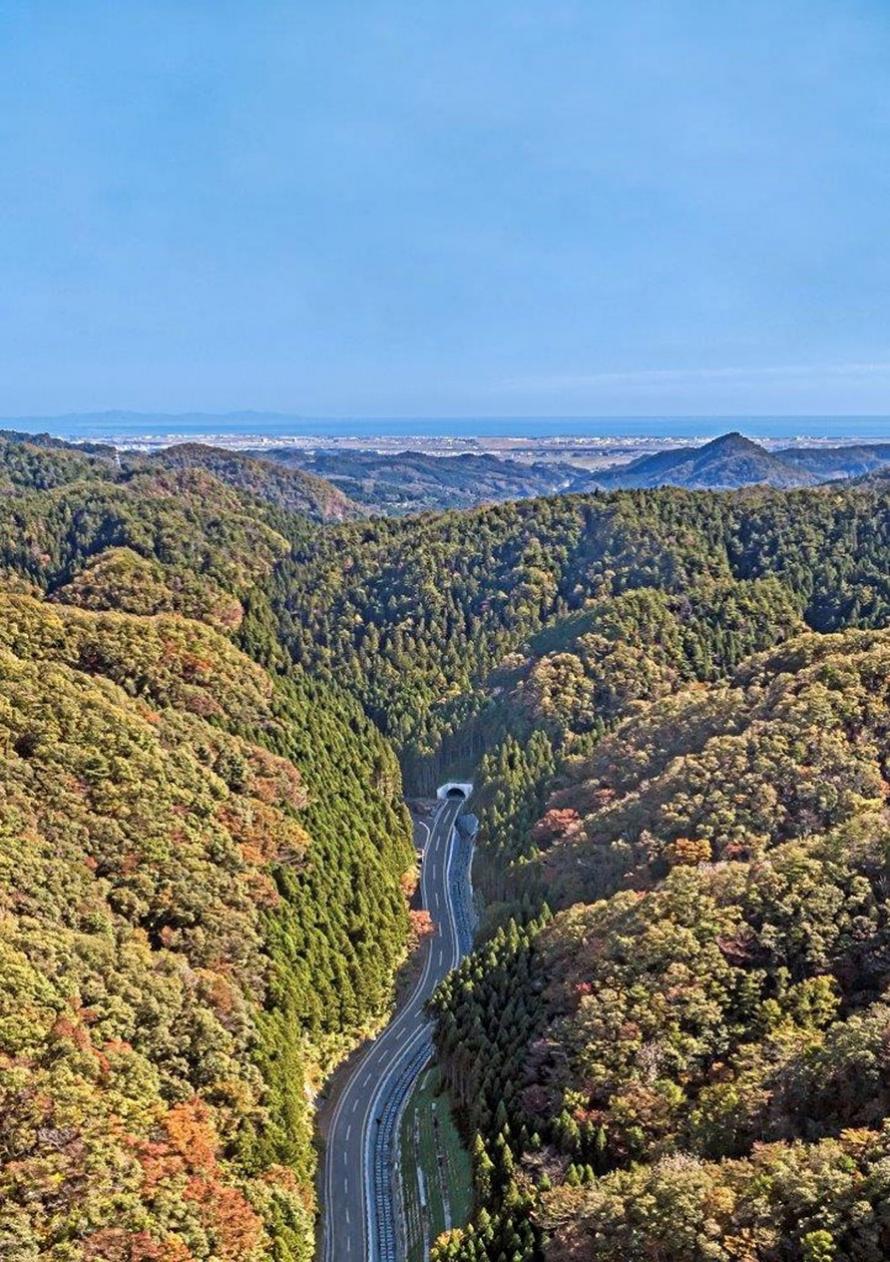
pixel 732 441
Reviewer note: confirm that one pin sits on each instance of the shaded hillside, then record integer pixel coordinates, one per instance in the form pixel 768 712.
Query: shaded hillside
pixel 104 450
pixel 734 461
pixel 825 463
pixel 288 488
pixel 39 462
pixel 693 766
pixel 434 605
pixel 38 466
pixel 212 546
pixel 794 559
pixel 727 462
pixel 584 672
pixel 186 847
pixel 411 481
pixel 729 987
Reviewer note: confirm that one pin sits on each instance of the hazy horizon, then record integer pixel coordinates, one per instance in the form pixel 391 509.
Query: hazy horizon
pixel 270 427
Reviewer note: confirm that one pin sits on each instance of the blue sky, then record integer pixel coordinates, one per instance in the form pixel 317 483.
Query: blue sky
pixel 451 208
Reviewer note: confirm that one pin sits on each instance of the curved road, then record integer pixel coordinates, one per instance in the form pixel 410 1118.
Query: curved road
pixel 358 1210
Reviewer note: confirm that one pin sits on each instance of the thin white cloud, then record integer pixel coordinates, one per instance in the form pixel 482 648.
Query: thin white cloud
pixel 658 377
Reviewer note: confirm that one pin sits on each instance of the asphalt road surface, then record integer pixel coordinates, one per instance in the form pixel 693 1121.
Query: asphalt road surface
pixel 358 1211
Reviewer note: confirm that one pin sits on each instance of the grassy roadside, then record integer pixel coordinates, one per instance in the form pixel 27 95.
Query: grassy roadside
pixel 436 1170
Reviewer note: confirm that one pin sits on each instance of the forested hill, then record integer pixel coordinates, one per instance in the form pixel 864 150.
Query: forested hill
pixel 284 487
pixel 188 847
pixel 415 481
pixel 670 1042
pixel 38 462
pixel 724 463
pixel 691 1062
pixel 414 616
pixel 201 901
pixel 681 703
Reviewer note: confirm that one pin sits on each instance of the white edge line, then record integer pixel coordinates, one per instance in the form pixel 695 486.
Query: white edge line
pixel 329 1148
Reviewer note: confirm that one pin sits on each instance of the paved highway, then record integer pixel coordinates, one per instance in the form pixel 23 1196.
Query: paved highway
pixel 359 1215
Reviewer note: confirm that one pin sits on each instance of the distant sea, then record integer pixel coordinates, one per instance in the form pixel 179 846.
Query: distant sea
pixel 155 428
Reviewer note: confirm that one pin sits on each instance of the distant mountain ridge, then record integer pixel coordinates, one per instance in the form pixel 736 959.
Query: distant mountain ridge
pixel 343 483
pixel 413 481
pixel 41 460
pixel 857 460
pixel 725 463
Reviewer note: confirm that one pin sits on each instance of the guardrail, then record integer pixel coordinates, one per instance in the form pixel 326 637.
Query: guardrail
pixel 383 1145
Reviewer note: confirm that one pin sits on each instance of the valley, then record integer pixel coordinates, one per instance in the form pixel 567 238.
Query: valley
pixel 673 707
pixel 445 632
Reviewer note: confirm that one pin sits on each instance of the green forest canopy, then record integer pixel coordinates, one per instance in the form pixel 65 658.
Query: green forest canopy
pixel 679 704
pixel 202 907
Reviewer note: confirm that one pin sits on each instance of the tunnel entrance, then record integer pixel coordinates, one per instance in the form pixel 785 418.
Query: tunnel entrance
pixel 453 791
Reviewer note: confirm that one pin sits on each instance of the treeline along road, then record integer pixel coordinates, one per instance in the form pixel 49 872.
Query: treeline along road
pixel 359 1214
